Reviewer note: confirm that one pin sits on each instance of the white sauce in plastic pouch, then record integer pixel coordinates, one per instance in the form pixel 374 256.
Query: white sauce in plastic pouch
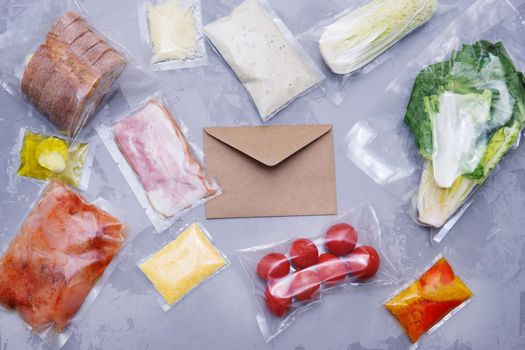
pixel 457 133
pixel 172 31
pixel 266 63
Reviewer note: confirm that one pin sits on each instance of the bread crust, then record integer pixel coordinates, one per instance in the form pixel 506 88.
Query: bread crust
pixel 70 73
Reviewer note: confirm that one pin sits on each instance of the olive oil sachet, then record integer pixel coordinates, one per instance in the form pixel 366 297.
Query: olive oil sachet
pixel 43 157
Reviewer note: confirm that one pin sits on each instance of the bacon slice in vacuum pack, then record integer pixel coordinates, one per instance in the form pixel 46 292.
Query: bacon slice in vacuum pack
pixel 160 155
pixel 68 75
pixel 62 248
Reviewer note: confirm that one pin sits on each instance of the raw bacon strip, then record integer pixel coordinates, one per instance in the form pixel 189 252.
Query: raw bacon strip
pixel 70 73
pixel 158 152
pixel 59 253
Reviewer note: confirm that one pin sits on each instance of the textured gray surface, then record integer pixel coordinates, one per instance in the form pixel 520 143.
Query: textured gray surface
pixel 486 247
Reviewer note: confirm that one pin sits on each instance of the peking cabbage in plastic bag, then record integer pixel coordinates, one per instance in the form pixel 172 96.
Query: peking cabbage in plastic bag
pixel 461 102
pixel 465 113
pixel 360 36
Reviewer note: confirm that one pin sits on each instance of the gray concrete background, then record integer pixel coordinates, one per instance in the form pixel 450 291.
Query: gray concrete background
pixel 486 246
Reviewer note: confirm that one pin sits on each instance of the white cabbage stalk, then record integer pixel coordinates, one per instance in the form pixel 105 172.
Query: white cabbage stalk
pixel 435 205
pixel 359 37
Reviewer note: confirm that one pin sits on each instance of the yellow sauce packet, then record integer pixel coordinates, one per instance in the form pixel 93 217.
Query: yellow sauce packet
pixel 43 157
pixel 182 264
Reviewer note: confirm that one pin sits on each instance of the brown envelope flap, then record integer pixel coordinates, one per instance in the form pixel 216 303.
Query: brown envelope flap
pixel 269 145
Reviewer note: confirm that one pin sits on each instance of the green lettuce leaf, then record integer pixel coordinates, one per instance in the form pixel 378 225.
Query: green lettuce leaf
pixel 473 69
pixel 468 70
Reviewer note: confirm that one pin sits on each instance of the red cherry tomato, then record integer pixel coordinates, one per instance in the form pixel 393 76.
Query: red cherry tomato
pixel 303 253
pixel 273 265
pixel 276 296
pixel 363 262
pixel 305 284
pixel 331 269
pixel 340 239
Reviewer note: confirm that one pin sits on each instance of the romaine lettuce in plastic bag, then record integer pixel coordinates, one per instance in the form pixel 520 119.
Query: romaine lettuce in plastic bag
pixel 465 114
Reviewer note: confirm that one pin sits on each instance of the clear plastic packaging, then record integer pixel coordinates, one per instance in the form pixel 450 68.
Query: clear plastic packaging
pixel 473 63
pixel 426 303
pixel 359 38
pixel 54 57
pixel 229 103
pixel 52 275
pixel 382 23
pixel 289 277
pixel 151 150
pixel 25 31
pixel 172 30
pixel 41 157
pixel 265 56
pixel 181 265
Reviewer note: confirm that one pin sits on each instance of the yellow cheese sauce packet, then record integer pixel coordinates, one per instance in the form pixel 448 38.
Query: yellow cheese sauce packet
pixel 43 157
pixel 182 264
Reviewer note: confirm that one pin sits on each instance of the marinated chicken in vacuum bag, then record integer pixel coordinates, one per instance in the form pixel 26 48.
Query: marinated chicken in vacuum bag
pixel 62 248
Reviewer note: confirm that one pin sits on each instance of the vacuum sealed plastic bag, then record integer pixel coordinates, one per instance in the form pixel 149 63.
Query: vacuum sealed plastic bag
pixel 183 264
pixel 153 154
pixel 46 156
pixel 360 36
pixel 430 300
pixel 265 56
pixel 358 39
pixel 465 112
pixel 173 31
pixel 67 73
pixel 476 112
pixel 290 276
pixel 51 266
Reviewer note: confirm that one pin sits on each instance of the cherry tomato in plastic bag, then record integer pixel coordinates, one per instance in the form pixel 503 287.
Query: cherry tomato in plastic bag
pixel 303 253
pixel 305 285
pixel 340 239
pixel 331 269
pixel 273 265
pixel 276 296
pixel 363 262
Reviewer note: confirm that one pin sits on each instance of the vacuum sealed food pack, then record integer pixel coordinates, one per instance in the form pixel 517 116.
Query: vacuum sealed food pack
pixel 290 276
pixel 264 55
pixel 359 38
pixel 154 155
pixel 65 68
pixel 430 300
pixel 465 112
pixel 475 103
pixel 182 264
pixel 42 157
pixel 172 29
pixel 62 248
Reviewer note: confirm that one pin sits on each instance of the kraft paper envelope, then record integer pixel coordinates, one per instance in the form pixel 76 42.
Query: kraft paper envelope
pixel 271 170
